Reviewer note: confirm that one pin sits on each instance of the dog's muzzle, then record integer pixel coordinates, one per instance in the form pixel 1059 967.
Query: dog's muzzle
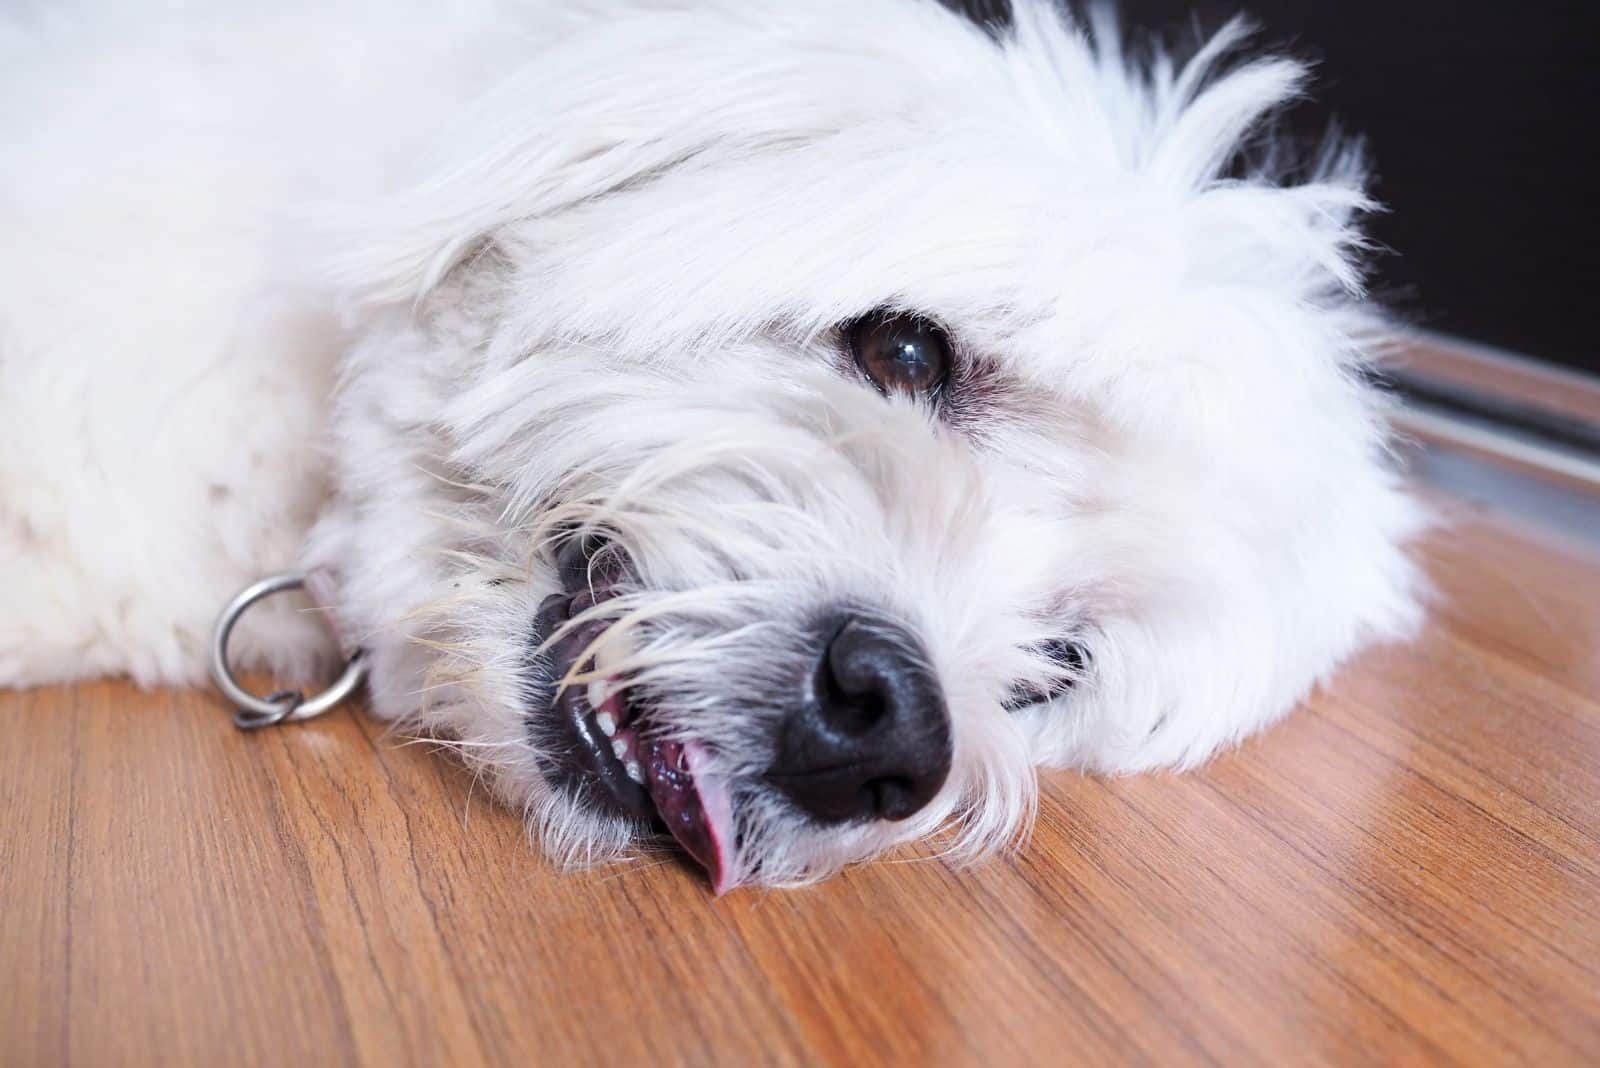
pixel 604 751
pixel 863 735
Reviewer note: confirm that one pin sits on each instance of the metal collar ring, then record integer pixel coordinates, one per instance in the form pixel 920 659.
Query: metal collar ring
pixel 286 706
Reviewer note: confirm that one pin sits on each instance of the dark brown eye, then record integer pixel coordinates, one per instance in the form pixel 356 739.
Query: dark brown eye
pixel 901 353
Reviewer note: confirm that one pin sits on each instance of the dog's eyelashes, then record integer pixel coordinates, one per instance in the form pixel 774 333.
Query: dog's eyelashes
pixel 900 353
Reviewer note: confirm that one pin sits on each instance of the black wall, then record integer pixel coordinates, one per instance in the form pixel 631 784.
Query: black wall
pixel 1479 117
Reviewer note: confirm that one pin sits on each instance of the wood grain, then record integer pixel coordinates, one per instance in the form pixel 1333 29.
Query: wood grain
pixel 1407 870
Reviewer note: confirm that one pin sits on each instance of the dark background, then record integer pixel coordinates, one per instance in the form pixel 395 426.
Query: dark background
pixel 1478 118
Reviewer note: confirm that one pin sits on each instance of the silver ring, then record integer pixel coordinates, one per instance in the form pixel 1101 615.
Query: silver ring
pixel 286 706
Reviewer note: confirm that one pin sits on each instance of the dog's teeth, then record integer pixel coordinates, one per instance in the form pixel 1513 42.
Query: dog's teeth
pixel 619 747
pixel 608 723
pixel 635 772
pixel 597 695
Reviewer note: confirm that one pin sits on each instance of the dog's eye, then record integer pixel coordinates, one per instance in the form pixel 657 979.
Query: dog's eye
pixel 1067 654
pixel 900 353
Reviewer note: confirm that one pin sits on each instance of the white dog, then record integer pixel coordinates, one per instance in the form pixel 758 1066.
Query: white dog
pixel 788 422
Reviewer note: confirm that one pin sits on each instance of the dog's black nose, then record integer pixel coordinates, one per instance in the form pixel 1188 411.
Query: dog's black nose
pixel 870 738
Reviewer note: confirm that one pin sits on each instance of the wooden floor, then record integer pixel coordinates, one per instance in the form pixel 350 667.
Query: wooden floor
pixel 1406 870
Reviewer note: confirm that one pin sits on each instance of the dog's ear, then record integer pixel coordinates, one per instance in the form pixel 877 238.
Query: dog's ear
pixel 613 109
pixel 617 105
pixel 545 139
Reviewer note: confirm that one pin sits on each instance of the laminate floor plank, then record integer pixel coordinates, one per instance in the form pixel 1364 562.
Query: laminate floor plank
pixel 1407 870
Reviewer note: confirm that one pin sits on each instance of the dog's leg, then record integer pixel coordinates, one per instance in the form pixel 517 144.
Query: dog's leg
pixel 144 479
pixel 165 358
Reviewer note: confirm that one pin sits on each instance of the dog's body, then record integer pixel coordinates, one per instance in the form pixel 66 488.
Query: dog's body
pixel 422 302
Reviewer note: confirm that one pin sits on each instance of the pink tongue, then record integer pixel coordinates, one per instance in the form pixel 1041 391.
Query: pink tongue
pixel 694 804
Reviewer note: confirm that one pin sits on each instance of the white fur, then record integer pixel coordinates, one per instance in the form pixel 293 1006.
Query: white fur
pixel 586 264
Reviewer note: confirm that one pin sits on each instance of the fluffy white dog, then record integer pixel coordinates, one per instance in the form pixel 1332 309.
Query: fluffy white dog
pixel 785 422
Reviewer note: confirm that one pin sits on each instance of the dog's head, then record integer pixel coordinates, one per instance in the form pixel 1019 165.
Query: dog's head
pixel 790 423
